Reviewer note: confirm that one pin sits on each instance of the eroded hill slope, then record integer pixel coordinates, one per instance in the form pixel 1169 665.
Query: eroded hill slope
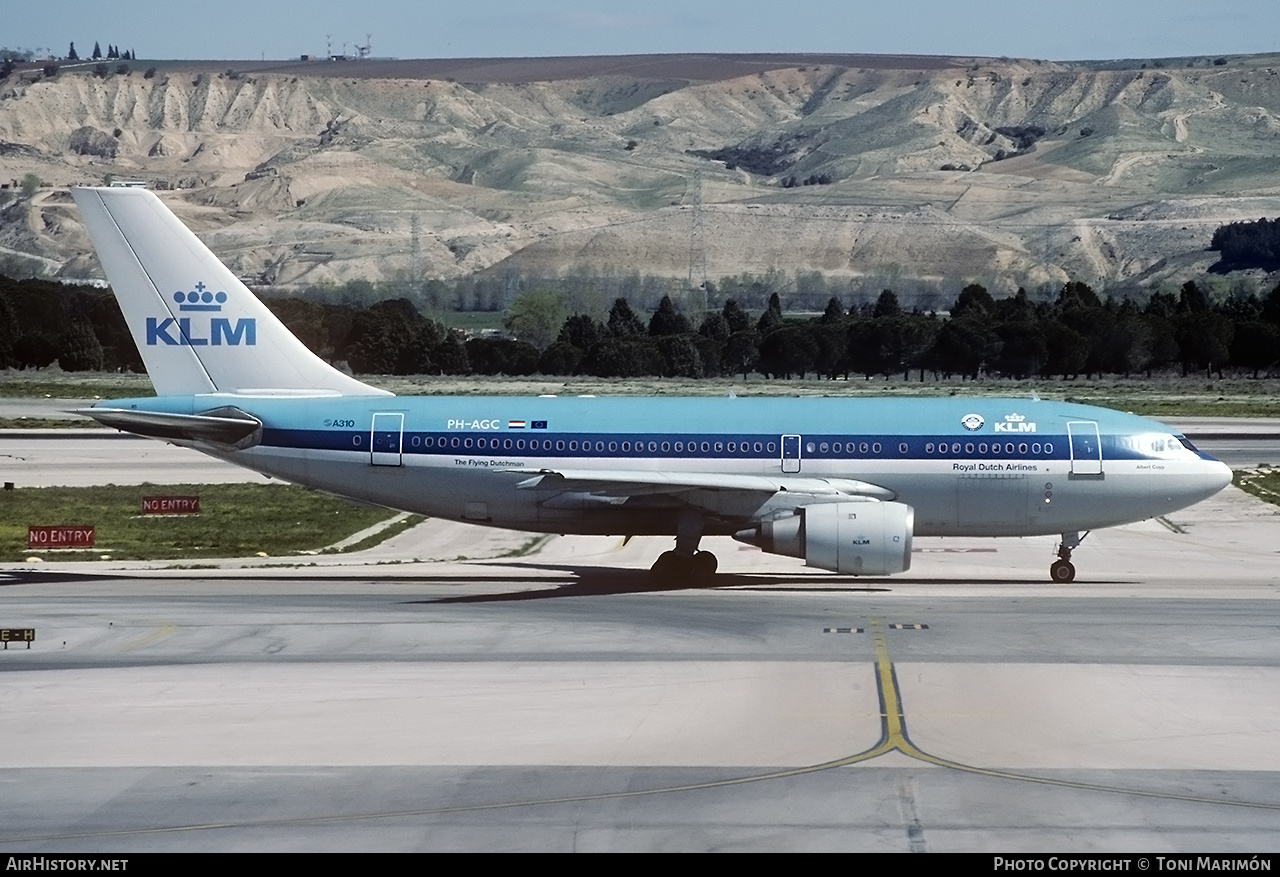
pixel 1013 172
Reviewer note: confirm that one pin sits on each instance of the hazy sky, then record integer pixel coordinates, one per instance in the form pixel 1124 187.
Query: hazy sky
pixel 250 29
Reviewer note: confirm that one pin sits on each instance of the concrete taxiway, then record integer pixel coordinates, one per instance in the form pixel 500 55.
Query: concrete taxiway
pixel 430 695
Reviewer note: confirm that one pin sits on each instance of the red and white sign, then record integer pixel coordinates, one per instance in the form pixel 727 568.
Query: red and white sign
pixel 63 536
pixel 171 505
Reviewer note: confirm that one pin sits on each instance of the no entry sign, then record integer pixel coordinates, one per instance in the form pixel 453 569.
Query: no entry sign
pixel 60 536
pixel 171 505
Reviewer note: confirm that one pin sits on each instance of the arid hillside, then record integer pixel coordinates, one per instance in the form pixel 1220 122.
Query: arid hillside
pixel 876 169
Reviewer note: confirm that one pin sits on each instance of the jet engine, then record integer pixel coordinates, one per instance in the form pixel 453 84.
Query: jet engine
pixel 859 538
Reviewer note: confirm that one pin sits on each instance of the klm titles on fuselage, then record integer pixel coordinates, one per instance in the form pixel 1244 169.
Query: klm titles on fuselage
pixel 220 331
pixel 1014 423
pixel 1011 423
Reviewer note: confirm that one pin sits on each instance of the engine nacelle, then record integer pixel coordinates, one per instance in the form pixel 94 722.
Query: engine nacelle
pixel 858 538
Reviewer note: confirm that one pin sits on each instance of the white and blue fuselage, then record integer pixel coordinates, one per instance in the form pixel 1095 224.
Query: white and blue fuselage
pixel 986 467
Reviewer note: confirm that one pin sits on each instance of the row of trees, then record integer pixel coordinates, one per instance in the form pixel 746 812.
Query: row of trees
pixel 113 52
pixel 1077 333
pixel 1248 245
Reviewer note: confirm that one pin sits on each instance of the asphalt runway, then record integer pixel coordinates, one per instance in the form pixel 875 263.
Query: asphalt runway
pixel 395 700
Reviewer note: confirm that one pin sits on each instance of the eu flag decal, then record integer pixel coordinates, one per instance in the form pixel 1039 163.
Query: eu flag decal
pixel 539 424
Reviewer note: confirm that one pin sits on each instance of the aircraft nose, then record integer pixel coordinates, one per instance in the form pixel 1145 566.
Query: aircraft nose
pixel 1217 476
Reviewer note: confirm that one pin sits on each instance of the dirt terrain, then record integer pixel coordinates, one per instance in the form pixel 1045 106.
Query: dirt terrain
pixel 943 169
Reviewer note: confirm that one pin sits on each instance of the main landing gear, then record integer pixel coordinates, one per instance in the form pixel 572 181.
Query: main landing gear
pixel 1063 570
pixel 684 569
pixel 686 564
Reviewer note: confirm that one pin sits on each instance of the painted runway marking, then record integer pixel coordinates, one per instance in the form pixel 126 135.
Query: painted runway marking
pixel 164 631
pixel 893 738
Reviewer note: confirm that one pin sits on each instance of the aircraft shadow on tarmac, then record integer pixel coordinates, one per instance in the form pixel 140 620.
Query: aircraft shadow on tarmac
pixel 579 581
pixel 595 581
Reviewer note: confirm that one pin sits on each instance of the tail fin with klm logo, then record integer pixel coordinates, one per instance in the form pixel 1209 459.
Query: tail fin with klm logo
pixel 198 328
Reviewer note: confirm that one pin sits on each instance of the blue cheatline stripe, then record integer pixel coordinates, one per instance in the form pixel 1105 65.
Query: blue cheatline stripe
pixel 705 446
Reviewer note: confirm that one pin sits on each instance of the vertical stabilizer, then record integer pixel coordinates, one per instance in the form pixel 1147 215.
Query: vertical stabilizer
pixel 198 328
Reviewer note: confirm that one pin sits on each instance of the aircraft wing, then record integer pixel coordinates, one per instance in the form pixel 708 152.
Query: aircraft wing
pixel 640 483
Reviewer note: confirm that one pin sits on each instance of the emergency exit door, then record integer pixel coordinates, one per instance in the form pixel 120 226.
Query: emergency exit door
pixel 790 454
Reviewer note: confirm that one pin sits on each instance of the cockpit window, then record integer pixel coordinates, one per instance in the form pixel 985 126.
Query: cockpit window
pixel 1158 446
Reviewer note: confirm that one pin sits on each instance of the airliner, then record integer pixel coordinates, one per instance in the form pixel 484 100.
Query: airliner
pixel 843 484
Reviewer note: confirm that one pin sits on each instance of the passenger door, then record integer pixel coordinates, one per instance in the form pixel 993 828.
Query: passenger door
pixel 1086 449
pixel 386 438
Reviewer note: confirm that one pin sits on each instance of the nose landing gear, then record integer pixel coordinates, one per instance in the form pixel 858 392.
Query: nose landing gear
pixel 1062 571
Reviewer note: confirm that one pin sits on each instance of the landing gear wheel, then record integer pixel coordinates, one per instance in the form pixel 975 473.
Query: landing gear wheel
pixel 1062 572
pixel 666 567
pixel 704 565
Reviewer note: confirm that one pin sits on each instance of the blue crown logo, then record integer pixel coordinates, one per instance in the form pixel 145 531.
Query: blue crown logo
pixel 200 299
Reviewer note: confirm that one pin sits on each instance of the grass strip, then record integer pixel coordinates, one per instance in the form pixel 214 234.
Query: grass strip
pixel 1264 483
pixel 235 520
pixel 1160 395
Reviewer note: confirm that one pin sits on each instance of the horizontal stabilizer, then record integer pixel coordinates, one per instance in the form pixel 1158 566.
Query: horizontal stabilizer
pixel 224 427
